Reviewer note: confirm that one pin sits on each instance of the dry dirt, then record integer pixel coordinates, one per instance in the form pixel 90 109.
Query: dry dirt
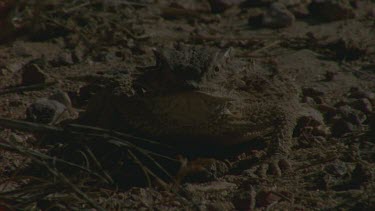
pixel 76 46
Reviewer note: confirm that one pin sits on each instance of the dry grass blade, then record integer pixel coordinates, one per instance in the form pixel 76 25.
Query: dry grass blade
pixel 148 154
pixel 76 7
pixel 126 141
pixel 27 88
pixel 28 195
pixel 28 126
pixel 148 172
pixel 141 151
pixel 80 193
pixel 98 164
pixel 95 130
pixel 121 139
pixel 38 156
pixel 144 168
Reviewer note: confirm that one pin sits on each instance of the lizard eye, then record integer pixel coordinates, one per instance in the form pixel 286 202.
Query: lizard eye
pixel 217 69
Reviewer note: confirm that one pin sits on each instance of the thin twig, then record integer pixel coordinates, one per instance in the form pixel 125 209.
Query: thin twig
pixel 83 129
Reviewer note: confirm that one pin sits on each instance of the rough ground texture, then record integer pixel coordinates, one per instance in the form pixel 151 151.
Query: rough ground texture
pixel 269 106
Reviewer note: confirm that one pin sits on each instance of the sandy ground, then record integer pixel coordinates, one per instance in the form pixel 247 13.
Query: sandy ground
pixel 329 48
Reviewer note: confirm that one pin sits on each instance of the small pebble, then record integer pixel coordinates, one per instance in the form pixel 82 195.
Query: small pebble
pixel 318 100
pixel 312 92
pixel 78 54
pixel 308 100
pixel 321 130
pixel 64 58
pixel 336 168
pixel 218 6
pixel 327 108
pixel 352 115
pixel 358 94
pixel 265 198
pixel 200 170
pixel 363 105
pixel 300 11
pixel 46 111
pixel 15 67
pixel 330 75
pixel 313 116
pixel 61 97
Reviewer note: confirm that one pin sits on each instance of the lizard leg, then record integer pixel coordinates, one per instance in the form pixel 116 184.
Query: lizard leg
pixel 280 145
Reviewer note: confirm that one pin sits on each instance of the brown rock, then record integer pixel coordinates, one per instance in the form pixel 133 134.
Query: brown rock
pixel 354 116
pixel 277 16
pixel 300 11
pixel 64 58
pixel 46 111
pixel 311 117
pixel 78 54
pixel 265 198
pixel 308 100
pixel 341 127
pixel 332 10
pixel 363 105
pixel 244 200
pixel 15 67
pixel 336 168
pixel 321 130
pixel 218 6
pixel 358 94
pixel 201 170
pixel 312 92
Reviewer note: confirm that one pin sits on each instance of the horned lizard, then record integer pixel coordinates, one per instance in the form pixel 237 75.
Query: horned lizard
pixel 201 96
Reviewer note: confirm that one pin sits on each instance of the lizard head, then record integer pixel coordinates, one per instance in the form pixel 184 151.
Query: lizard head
pixel 190 67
